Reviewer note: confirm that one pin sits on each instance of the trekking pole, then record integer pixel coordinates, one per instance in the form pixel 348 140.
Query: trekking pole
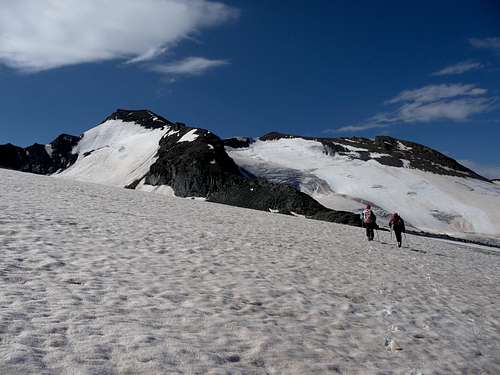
pixel 406 239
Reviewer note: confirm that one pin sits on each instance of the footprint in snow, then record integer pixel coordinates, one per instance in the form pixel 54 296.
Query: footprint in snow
pixel 391 344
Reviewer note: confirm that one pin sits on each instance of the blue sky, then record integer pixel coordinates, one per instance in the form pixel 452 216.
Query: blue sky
pixel 427 71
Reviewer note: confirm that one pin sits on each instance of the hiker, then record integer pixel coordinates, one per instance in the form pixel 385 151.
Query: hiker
pixel 369 221
pixel 397 224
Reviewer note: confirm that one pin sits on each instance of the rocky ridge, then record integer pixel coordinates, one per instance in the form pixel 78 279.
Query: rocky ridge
pixel 388 151
pixel 192 161
pixel 40 159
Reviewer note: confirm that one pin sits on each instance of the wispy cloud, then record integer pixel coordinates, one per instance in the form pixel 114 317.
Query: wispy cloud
pixel 37 35
pixel 433 93
pixel 453 102
pixel 486 43
pixel 488 171
pixel 190 66
pixel 460 68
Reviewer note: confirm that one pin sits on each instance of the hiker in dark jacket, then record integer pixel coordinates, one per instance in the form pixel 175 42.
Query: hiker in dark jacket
pixel 369 221
pixel 397 224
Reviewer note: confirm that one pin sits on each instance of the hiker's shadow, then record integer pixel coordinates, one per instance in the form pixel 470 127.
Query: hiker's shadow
pixel 406 247
pixel 417 250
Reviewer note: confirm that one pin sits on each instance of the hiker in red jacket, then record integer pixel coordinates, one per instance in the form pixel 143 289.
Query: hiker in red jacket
pixel 398 225
pixel 369 221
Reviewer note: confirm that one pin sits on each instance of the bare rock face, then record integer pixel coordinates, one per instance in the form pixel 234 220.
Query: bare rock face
pixel 239 142
pixel 260 194
pixel 143 117
pixel 40 159
pixel 12 157
pixel 192 161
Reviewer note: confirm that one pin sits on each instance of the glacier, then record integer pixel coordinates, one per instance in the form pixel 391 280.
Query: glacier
pixel 431 202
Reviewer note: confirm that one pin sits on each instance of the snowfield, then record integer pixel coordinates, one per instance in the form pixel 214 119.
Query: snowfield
pixel 115 153
pixel 102 280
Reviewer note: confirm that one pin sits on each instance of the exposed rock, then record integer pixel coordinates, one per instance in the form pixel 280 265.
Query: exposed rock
pixel 40 159
pixel 142 117
pixel 200 166
pixel 238 142
pixel 341 217
pixel 195 167
pixel 12 157
pixel 262 195
pixel 259 194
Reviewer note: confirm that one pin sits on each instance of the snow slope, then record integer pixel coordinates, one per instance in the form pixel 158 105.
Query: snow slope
pixel 101 280
pixel 115 153
pixel 430 202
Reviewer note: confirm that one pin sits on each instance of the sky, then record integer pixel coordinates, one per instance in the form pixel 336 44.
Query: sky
pixel 426 71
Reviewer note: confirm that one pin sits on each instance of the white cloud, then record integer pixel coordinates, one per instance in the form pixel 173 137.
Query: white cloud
pixel 459 68
pixel 359 127
pixel 432 93
pixel 486 43
pixel 454 102
pixel 188 66
pixel 488 171
pixel 38 35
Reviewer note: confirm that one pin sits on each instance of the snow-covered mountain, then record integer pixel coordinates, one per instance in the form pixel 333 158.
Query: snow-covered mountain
pixel 143 151
pixel 322 178
pixel 433 192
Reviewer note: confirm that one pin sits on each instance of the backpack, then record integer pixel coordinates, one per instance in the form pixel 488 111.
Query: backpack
pixel 367 216
pixel 397 223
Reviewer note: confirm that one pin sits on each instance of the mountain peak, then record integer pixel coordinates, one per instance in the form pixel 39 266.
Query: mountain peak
pixel 143 117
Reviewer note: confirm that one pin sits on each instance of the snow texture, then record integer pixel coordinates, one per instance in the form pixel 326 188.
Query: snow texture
pixel 102 280
pixel 48 149
pixel 403 147
pixel 430 202
pixel 190 136
pixel 115 153
pixel 159 189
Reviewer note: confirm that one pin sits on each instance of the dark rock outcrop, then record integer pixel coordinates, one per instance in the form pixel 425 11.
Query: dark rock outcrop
pixel 201 167
pixel 259 194
pixel 40 159
pixel 12 157
pixel 196 167
pixel 143 117
pixel 238 142
pixel 341 217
